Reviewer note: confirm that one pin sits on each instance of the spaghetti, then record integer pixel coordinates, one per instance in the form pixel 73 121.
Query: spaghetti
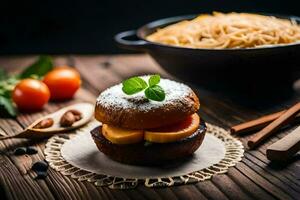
pixel 232 30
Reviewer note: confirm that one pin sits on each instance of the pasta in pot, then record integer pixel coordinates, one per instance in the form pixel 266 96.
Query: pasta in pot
pixel 232 30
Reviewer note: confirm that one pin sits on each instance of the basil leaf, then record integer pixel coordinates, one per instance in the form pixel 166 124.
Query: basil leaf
pixel 6 103
pixel 3 74
pixel 43 65
pixel 155 93
pixel 2 91
pixel 5 93
pixel 154 80
pixel 133 85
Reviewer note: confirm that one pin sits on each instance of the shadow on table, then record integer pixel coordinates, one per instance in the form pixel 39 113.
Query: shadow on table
pixel 283 165
pixel 256 96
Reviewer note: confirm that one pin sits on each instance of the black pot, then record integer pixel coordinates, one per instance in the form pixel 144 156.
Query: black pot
pixel 251 70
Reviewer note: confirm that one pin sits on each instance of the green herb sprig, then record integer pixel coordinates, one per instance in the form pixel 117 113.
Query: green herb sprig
pixel 37 70
pixel 151 89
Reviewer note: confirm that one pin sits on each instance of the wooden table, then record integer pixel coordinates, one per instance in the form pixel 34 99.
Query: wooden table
pixel 253 178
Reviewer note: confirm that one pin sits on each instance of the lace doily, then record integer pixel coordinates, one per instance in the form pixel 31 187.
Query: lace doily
pixel 233 153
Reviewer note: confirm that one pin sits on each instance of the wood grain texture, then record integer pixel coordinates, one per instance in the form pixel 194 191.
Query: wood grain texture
pixel 253 178
pixel 285 148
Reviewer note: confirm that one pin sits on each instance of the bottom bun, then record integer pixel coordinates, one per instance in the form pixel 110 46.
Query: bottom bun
pixel 146 153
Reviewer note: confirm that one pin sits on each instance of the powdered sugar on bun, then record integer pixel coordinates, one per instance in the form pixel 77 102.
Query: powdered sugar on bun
pixel 115 98
pixel 116 108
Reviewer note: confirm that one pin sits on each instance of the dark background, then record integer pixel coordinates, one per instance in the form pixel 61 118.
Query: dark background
pixel 60 27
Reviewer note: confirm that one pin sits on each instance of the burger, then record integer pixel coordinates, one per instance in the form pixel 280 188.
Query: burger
pixel 147 120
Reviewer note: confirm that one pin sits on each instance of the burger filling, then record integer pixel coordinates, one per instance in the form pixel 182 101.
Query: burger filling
pixel 165 134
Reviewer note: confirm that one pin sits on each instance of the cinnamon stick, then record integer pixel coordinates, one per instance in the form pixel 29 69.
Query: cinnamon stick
pixel 266 132
pixel 255 124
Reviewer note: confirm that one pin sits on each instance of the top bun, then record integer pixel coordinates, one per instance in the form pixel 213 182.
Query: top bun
pixel 116 108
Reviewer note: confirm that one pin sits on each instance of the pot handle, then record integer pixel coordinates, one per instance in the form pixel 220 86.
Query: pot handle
pixel 137 45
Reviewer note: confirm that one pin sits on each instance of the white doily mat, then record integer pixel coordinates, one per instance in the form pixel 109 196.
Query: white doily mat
pixel 79 157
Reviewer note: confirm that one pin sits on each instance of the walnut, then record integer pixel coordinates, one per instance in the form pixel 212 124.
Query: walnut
pixel 69 117
pixel 45 123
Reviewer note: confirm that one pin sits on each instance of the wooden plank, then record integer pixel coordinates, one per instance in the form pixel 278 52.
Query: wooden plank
pixel 210 190
pixel 18 166
pixel 188 192
pixel 254 178
pixel 290 167
pixel 229 187
pixel 284 186
pixel 18 183
pixel 279 170
pixel 262 182
pixel 165 193
pixel 109 70
pixel 55 184
pixel 149 194
pixel 288 181
pixel 13 63
pixel 248 185
pixel 64 187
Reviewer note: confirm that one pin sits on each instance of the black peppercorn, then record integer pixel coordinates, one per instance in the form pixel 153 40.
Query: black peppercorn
pixel 40 166
pixel 41 174
pixel 31 150
pixel 20 151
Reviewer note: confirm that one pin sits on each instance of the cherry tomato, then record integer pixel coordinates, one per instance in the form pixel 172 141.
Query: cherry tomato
pixel 63 82
pixel 30 95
